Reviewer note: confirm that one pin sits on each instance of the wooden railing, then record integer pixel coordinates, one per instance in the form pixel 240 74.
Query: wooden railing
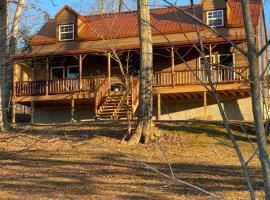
pixel 91 84
pixel 101 92
pixel 134 90
pixel 33 88
pixel 63 86
pixel 185 77
pixel 30 88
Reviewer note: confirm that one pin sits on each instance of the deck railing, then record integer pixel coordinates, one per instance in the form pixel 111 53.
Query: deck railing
pixel 185 77
pixel 160 79
pixel 34 88
pixel 101 92
pixel 30 88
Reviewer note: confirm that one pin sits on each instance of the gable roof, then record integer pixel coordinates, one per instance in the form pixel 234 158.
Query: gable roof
pixel 124 25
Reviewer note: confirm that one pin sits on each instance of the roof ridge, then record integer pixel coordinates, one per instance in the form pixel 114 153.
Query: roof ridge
pixel 132 11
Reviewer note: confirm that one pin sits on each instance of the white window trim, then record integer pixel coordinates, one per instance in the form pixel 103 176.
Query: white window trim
pixel 62 67
pixel 59 32
pixel 71 66
pixel 207 56
pixel 213 11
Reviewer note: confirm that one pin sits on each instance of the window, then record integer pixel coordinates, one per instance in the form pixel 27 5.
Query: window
pixel 57 73
pixel 226 72
pixel 215 18
pixel 66 32
pixel 204 65
pixel 73 72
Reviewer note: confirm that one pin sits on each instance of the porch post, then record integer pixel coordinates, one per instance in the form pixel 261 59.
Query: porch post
pixel 32 112
pixel 172 66
pixel 109 67
pixel 158 107
pixel 80 72
pixel 13 112
pixel 47 77
pixel 205 104
pixel 72 109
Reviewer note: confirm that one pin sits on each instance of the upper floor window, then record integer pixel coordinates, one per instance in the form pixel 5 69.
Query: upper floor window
pixel 215 18
pixel 66 32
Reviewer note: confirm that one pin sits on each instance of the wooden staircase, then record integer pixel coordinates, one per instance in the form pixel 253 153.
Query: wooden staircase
pixel 114 106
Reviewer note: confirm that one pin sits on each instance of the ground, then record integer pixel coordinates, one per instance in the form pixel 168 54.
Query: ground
pixel 89 161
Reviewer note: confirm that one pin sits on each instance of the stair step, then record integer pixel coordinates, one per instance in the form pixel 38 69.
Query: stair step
pixel 114 106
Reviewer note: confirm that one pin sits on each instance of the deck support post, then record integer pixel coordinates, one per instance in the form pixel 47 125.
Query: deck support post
pixel 172 66
pixel 32 112
pixel 205 104
pixel 14 79
pixel 80 71
pixel 109 67
pixel 72 110
pixel 47 77
pixel 158 107
pixel 13 112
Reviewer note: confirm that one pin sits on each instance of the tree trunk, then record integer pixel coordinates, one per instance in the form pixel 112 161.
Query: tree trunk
pixel 121 4
pixel 256 98
pixel 12 50
pixel 3 48
pixel 143 130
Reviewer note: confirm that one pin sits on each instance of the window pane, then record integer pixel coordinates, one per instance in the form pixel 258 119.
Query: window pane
pixel 66 32
pixel 57 73
pixel 73 72
pixel 215 18
pixel 226 60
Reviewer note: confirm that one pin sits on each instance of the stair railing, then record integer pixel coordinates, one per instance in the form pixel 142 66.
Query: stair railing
pixel 135 84
pixel 100 93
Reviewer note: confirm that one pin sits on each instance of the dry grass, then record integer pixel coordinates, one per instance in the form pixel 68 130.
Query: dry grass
pixel 69 162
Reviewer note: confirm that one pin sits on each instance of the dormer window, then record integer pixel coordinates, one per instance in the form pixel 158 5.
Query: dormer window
pixel 215 18
pixel 66 32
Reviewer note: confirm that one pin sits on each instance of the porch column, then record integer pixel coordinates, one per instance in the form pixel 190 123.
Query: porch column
pixel 172 66
pixel 80 72
pixel 205 104
pixel 72 109
pixel 47 77
pixel 13 112
pixel 32 112
pixel 158 107
pixel 109 66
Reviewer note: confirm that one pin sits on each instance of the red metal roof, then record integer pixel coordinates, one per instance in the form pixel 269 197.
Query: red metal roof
pixel 124 25
pixel 236 18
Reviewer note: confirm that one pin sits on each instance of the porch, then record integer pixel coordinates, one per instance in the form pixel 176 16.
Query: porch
pixel 171 81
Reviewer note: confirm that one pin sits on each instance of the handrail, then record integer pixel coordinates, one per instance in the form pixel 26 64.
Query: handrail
pixel 100 93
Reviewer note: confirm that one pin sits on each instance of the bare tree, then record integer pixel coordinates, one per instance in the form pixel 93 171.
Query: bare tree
pixel 3 46
pixel 143 130
pixel 253 60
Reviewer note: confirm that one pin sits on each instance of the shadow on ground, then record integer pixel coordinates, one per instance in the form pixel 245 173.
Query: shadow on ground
pixel 113 176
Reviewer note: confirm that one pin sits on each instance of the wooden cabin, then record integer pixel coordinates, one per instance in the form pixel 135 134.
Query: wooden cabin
pixel 73 69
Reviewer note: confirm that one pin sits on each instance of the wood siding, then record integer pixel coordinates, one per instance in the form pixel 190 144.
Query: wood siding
pixel 213 4
pixel 66 17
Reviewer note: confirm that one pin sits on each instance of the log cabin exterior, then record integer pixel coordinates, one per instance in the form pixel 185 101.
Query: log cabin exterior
pixel 71 72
